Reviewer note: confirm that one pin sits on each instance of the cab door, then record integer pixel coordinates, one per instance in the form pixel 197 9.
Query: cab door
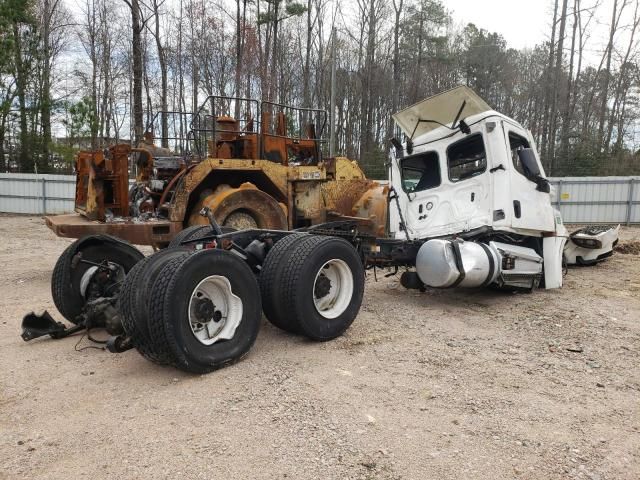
pixel 422 204
pixel 468 173
pixel 447 189
pixel 531 208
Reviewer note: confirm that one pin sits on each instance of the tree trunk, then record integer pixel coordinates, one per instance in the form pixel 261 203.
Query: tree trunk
pixel 556 86
pixel 92 37
pixel 137 67
pixel 395 87
pixel 25 161
pixel 623 77
pixel 365 104
pixel 162 60
pixel 581 32
pixel 45 102
pixel 147 88
pixel 547 90
pixel 180 67
pixel 3 131
pixel 263 55
pixel 239 51
pixel 307 60
pixel 274 54
pixel 566 112
pixel 248 72
pixel 607 75
pixel 105 110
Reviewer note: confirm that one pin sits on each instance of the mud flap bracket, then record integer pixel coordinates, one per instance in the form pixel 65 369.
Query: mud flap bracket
pixel 35 326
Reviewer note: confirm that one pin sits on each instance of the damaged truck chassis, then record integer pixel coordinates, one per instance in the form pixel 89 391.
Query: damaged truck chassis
pixel 467 205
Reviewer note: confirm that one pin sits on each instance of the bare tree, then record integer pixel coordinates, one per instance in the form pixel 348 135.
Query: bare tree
pixel 556 84
pixel 623 82
pixel 137 26
pixel 162 60
pixel 615 20
pixel 395 86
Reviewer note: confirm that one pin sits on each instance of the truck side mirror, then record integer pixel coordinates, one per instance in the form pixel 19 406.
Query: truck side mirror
pixel 532 170
pixel 398 147
pixel 529 163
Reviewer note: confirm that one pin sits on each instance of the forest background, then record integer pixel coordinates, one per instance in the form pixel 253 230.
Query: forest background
pixel 90 73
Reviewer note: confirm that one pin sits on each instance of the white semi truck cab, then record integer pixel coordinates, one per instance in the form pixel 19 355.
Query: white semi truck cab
pixel 469 181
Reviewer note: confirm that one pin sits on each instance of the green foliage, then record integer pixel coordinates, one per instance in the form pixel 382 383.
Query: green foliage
pixel 373 163
pixel 80 120
pixel 295 9
pixel 423 46
pixel 19 56
pixel 484 59
pixel 291 9
pixel 12 13
pixel 65 153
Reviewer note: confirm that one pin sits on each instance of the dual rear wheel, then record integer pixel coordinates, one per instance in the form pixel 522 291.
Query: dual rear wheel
pixel 200 310
pixel 312 285
pixel 197 311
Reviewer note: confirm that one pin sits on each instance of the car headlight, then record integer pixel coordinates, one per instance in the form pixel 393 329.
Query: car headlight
pixel 587 242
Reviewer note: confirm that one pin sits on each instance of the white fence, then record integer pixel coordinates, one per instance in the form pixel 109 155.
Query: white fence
pixel 580 199
pixel 598 199
pixel 36 194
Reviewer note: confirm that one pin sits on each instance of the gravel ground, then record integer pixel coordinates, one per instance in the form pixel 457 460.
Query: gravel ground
pixel 440 385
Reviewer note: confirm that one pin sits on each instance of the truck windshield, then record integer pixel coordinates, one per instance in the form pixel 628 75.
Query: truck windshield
pixel 420 172
pixel 466 158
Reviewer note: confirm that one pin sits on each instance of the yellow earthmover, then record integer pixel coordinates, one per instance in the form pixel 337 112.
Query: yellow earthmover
pixel 253 164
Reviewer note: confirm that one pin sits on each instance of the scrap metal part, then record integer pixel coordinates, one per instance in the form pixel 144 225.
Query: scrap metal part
pixel 591 244
pixel 139 232
pixel 35 326
pixel 241 208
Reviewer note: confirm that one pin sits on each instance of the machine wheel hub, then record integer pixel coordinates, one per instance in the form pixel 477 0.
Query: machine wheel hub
pixel 241 221
pixel 214 310
pixel 322 286
pixel 333 289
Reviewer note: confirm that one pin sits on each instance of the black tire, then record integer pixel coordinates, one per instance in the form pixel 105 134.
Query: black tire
pixel 169 310
pixel 271 279
pixel 298 288
pixel 196 232
pixel 68 271
pixel 190 233
pixel 134 302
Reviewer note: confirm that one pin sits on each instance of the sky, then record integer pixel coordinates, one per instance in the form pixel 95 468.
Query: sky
pixel 523 23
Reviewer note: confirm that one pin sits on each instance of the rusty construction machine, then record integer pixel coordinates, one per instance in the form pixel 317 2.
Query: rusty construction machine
pixel 263 170
pixel 468 205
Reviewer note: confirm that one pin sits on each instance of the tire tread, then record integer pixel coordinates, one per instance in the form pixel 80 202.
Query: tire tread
pixel 157 341
pixel 270 281
pixel 292 276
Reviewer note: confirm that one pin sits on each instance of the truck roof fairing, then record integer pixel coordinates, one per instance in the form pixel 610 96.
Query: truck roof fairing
pixel 441 109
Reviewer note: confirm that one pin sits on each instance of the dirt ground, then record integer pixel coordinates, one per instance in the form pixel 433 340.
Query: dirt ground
pixel 440 385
